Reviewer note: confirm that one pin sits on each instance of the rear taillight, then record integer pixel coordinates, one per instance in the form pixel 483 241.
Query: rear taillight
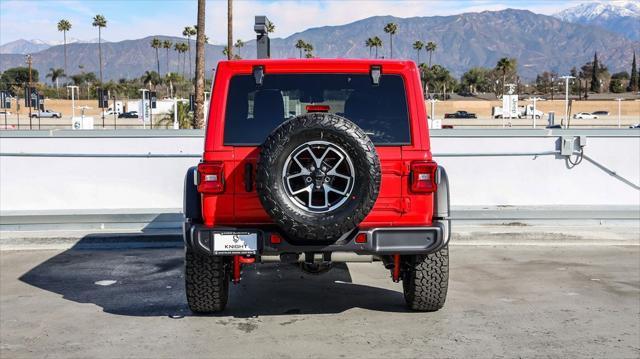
pixel 423 176
pixel 211 177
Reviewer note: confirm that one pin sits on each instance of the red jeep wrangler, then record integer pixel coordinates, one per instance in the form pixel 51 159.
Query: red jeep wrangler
pixel 311 162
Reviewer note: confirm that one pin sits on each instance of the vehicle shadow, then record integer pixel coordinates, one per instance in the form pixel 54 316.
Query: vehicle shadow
pixel 134 281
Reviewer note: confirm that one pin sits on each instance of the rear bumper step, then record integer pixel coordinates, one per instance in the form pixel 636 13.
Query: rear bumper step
pixel 379 241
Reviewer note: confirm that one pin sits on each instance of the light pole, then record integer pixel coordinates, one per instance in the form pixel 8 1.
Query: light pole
pixel 566 97
pixel 534 100
pixel 619 110
pixel 73 99
pixel 432 103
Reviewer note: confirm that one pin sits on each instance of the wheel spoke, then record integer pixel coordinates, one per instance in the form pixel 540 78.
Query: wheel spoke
pixel 329 188
pixel 303 189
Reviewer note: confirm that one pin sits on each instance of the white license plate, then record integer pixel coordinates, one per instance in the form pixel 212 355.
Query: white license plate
pixel 235 242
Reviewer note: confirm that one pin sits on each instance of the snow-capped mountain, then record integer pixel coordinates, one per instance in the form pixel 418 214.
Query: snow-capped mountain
pixel 621 16
pixel 24 47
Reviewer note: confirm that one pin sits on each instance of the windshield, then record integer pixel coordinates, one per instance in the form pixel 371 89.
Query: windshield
pixel 254 111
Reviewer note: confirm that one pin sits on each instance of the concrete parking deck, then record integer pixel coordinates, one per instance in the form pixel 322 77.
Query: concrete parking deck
pixel 511 301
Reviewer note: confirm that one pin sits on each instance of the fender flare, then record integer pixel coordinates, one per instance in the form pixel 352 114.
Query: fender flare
pixel 442 204
pixel 191 205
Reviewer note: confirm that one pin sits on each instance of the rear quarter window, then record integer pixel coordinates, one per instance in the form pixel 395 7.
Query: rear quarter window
pixel 252 111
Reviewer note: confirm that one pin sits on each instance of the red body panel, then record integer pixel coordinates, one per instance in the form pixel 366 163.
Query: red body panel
pixel 396 205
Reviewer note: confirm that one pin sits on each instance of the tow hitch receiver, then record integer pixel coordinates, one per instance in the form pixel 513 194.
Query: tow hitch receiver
pixel 238 261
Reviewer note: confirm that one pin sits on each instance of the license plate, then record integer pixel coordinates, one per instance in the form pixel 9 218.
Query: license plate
pixel 235 242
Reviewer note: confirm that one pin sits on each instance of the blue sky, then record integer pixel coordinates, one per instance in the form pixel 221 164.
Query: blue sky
pixel 36 19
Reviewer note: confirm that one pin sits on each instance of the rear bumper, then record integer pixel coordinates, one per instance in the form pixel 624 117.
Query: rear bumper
pixel 380 241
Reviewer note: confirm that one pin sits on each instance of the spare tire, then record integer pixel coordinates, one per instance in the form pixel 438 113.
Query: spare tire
pixel 318 176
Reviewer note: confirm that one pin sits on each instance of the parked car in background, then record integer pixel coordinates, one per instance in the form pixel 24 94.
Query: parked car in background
pixel 130 114
pixel 5 112
pixel 637 125
pixel 460 114
pixel 600 113
pixel 46 114
pixel 585 116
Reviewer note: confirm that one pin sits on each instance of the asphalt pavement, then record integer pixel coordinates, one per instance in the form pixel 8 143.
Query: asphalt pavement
pixel 504 301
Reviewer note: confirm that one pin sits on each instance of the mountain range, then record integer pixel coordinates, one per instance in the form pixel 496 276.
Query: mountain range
pixel 619 16
pixel 539 43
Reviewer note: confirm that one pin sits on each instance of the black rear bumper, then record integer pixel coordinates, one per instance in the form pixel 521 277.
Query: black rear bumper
pixel 380 241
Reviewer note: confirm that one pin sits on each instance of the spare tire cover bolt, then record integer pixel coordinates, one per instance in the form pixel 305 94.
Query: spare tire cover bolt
pixel 308 179
pixel 327 179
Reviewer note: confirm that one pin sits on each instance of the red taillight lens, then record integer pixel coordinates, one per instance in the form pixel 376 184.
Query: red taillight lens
pixel 361 238
pixel 211 177
pixel 318 108
pixel 423 176
pixel 275 238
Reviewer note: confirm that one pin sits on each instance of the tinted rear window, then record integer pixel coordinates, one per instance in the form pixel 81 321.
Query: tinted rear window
pixel 254 111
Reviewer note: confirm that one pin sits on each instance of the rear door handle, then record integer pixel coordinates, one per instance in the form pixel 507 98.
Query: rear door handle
pixel 248 177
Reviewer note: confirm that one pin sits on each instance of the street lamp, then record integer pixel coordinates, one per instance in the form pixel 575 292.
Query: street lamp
pixel 73 99
pixel 534 100
pixel 566 97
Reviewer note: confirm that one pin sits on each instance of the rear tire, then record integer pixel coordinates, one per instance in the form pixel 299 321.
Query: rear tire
pixel 426 281
pixel 206 282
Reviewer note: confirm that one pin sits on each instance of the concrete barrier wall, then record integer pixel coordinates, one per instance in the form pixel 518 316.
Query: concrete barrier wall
pixel 94 171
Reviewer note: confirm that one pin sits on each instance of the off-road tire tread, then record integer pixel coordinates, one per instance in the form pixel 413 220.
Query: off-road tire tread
pixel 329 228
pixel 426 281
pixel 206 282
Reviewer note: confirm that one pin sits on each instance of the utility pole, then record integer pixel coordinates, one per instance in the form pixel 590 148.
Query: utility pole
pixel 29 62
pixel 566 97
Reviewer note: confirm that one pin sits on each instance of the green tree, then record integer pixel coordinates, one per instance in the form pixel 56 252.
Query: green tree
pixel 185 117
pixel 201 39
pixel 308 50
pixel 431 48
pixel 595 81
pixel 54 75
pixel 300 45
pixel 634 80
pixel 618 82
pixel 418 46
pixel 64 26
pixel 99 21
pixel 150 78
pixel 391 29
pixel 157 44
pixel 166 44
pixel 377 42
pixel 506 67
pixel 439 78
pixel 369 44
pixel 271 27
pixel 188 32
pixel 239 45
pixel 476 79
pixel 15 78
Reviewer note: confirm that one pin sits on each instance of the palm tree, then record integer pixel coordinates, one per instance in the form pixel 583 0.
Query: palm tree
pixel 157 44
pixel 150 77
pixel 198 115
pixel 431 47
pixel 166 44
pixel 391 29
pixel 185 117
pixel 418 45
pixel 300 45
pixel 369 43
pixel 505 65
pixel 229 29
pixel 271 27
pixel 308 50
pixel 64 26
pixel 55 74
pixel 239 44
pixel 180 47
pixel 99 21
pixel 376 42
pixel 188 32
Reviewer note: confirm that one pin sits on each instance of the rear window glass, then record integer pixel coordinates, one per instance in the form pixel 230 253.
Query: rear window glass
pixel 254 111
